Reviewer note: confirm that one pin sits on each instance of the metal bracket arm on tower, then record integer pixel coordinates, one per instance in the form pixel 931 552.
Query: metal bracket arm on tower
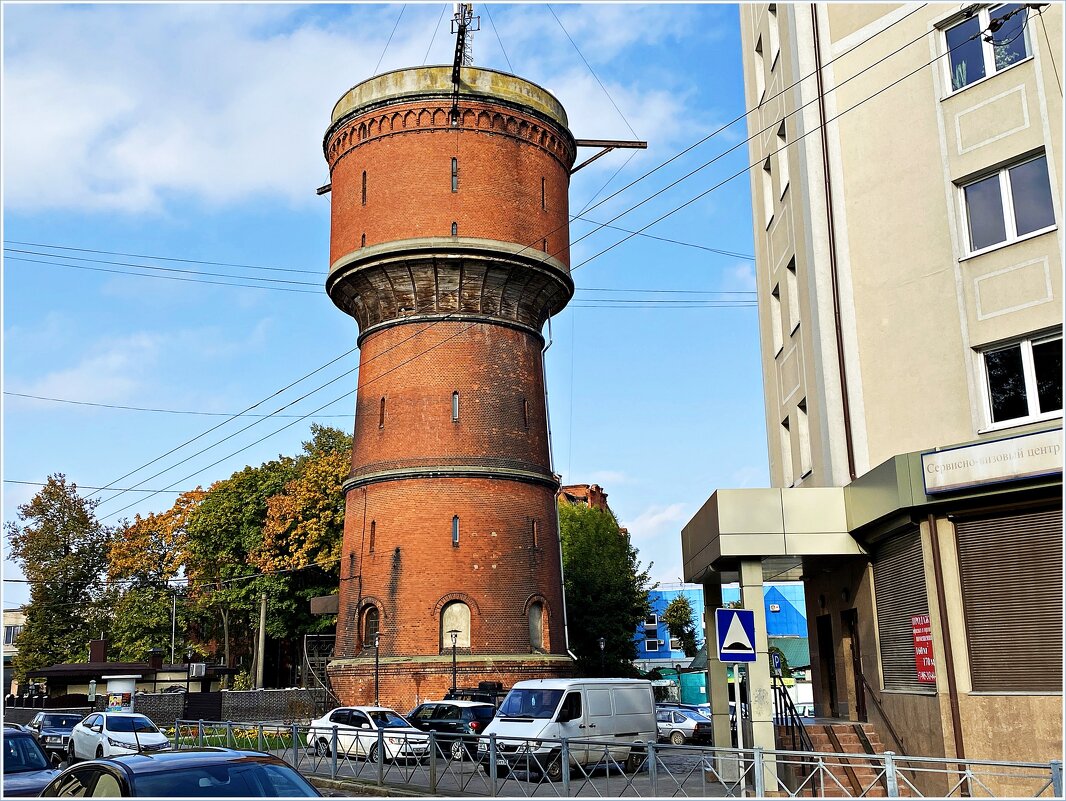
pixel 608 145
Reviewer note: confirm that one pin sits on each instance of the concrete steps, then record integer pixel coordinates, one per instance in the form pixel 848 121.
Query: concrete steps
pixel 856 775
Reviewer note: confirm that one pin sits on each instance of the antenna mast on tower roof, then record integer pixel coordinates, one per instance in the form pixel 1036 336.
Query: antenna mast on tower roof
pixel 464 23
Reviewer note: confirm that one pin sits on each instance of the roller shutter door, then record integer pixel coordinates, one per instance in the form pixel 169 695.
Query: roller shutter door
pixel 899 587
pixel 1011 570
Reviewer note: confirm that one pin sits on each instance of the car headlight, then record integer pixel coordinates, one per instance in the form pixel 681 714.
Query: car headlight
pixel 120 744
pixel 51 738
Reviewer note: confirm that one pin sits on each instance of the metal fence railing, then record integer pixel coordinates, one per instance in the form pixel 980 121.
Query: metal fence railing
pixel 453 765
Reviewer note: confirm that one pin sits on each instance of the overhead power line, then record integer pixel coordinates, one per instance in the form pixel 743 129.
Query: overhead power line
pixel 149 409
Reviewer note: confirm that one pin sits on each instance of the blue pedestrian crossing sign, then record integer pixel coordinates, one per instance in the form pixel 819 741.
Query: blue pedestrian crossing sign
pixel 736 634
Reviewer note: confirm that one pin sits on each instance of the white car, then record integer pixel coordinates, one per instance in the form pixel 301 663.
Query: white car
pixel 358 730
pixel 107 734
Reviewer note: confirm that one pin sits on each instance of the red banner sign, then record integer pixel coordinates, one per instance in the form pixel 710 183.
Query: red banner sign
pixel 923 649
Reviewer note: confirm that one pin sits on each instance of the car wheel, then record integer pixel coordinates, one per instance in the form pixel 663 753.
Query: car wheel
pixel 677 738
pixel 633 762
pixel 458 750
pixel 99 752
pixel 322 748
pixel 554 771
pixel 373 754
pixel 72 756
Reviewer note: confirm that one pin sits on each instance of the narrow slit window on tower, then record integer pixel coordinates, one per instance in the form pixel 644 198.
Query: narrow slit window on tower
pixel 543 203
pixel 455 406
pixel 525 413
pixel 362 241
pixel 455 175
pixel 364 187
pixel 455 531
pixel 381 414
pixel 455 229
pixel 536 533
pixel 373 534
pixel 544 245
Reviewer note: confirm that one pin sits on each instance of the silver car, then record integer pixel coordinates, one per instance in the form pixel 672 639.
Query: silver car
pixel 679 726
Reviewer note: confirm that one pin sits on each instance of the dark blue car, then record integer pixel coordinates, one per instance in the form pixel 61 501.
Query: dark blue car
pixel 26 766
pixel 196 773
pixel 52 730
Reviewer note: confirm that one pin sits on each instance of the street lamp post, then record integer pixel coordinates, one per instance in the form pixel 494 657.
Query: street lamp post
pixel 455 639
pixel 603 644
pixel 377 685
pixel 188 670
pixel 677 669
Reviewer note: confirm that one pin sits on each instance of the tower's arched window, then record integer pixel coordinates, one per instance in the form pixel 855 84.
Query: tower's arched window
pixel 455 406
pixel 371 621
pixel 455 531
pixel 381 414
pixel 364 187
pixel 536 626
pixel 455 616
pixel 373 534
pixel 455 229
pixel 455 175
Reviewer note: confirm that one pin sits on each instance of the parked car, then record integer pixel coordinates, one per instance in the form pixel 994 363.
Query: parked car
pixel 18 726
pixel 357 734
pixel 106 734
pixel 680 726
pixel 193 773
pixel 52 730
pixel 26 766
pixel 459 723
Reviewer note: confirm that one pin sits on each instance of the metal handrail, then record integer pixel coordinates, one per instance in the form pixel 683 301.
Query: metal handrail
pixel 786 714
pixel 884 715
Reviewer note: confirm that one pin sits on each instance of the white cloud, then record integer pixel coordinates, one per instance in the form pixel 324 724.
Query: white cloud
pixel 130 108
pixel 608 478
pixel 656 534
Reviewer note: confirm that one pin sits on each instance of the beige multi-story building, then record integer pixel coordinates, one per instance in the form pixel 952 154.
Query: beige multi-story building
pixel 907 207
pixel 14 620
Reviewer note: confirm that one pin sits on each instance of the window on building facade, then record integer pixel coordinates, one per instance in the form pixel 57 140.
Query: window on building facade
pixel 774 32
pixel 455 229
pixel 455 406
pixel 381 414
pixel 675 644
pixel 455 616
pixel 651 646
pixel 535 531
pixel 525 413
pixel 804 434
pixel 371 620
pixel 975 50
pixel 373 534
pixel 10 633
pixel 788 472
pixel 1023 380
pixel 455 531
pixel 651 621
pixel 364 187
pixel 455 175
pixel 782 160
pixel 792 284
pixel 768 192
pixel 536 626
pixel 775 319
pixel 1009 204
pixel 362 241
pixel 760 72
pixel 543 198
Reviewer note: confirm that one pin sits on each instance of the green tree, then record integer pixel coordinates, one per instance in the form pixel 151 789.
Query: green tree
pixel 678 618
pixel 61 548
pixel 606 590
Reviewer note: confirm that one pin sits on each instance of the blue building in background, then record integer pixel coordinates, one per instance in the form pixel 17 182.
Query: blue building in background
pixel 786 621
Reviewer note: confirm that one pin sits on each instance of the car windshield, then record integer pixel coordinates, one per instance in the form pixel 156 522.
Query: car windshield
pixel 387 719
pixel 225 780
pixel 137 723
pixel 22 754
pixel 61 721
pixel 530 703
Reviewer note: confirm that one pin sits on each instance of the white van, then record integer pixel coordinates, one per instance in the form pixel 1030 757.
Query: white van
pixel 615 714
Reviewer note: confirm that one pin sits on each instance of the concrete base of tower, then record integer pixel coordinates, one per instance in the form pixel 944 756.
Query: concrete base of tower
pixel 403 682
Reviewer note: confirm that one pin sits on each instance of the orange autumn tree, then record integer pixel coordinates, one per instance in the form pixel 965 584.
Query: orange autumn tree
pixel 144 558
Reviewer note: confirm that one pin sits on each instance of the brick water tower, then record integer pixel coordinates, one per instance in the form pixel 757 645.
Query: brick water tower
pixel 449 247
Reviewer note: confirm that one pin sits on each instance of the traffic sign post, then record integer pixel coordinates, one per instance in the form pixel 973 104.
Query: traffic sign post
pixel 775 663
pixel 735 633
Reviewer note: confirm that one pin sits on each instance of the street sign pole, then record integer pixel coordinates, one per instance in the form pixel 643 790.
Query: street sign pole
pixel 737 685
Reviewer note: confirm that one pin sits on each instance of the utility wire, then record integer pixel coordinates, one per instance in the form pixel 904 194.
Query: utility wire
pixel 385 49
pixel 593 72
pixel 425 58
pixel 498 39
pixel 161 258
pixel 751 166
pixel 231 415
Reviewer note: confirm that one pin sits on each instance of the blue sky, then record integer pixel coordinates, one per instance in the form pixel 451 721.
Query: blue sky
pixel 194 132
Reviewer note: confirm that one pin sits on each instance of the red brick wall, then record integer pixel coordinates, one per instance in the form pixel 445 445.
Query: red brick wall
pixel 409 186
pixel 417 367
